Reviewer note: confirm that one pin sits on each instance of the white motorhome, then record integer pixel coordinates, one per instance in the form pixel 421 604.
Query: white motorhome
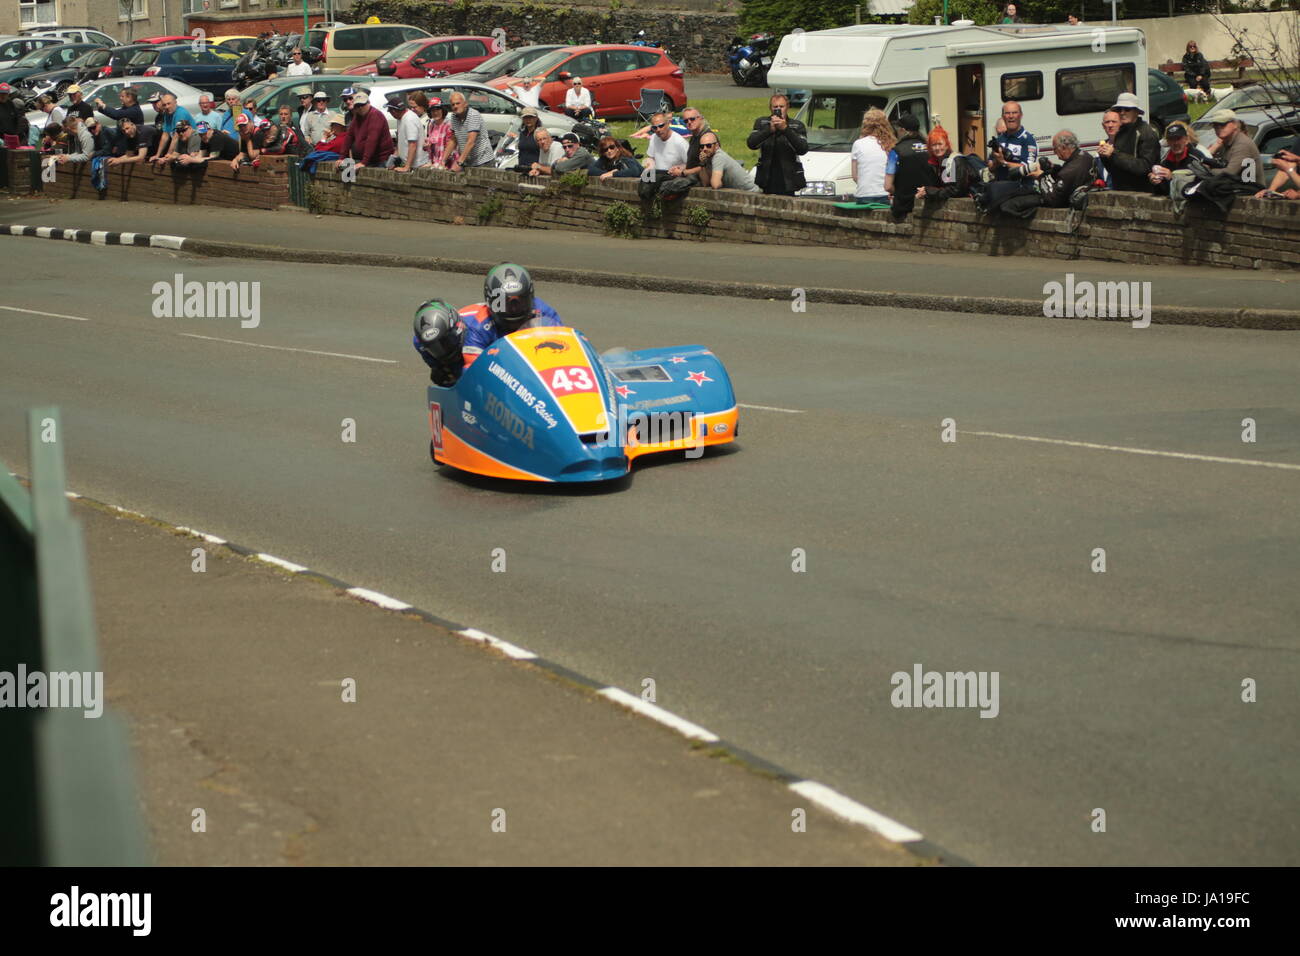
pixel 956 77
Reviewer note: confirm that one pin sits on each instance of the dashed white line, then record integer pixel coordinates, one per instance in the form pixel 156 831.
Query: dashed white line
pixel 849 809
pixel 505 647
pixel 1217 459
pixel 53 315
pixel 285 348
pixel 374 597
pixel 655 712
pixel 281 562
pixel 772 408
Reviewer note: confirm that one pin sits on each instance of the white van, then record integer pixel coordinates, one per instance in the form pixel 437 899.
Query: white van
pixel 956 77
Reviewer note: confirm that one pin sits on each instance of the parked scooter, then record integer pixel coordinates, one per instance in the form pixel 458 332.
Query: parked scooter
pixel 750 60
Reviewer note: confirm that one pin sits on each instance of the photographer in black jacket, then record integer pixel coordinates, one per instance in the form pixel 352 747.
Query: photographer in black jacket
pixel 780 142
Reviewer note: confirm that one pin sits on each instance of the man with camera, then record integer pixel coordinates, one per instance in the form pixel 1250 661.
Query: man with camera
pixel 780 142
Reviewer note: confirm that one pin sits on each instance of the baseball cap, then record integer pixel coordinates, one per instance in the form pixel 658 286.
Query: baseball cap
pixel 396 101
pixel 181 121
pixel 6 88
pixel 263 121
pixel 202 128
pixel 1128 101
pixel 336 119
pixel 1221 116
pixel 530 111
pixel 569 138
pixel 360 98
pixel 1176 129
pixel 74 88
pixel 242 120
pixel 155 97
pixel 320 95
pixel 909 122
pixel 348 92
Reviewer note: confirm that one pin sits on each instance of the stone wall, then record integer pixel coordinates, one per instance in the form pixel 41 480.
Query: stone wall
pixel 1119 227
pixel 213 184
pixel 696 41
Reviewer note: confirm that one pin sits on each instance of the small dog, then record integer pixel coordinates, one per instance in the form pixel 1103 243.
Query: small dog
pixel 1219 92
pixel 1197 95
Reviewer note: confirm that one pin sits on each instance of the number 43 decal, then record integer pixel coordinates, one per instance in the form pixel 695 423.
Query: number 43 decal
pixel 571 378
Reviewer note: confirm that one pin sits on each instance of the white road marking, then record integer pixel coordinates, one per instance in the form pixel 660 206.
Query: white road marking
pixel 374 597
pixel 655 712
pixel 849 809
pixel 285 348
pixel 772 408
pixel 280 562
pixel 53 315
pixel 1139 451
pixel 505 647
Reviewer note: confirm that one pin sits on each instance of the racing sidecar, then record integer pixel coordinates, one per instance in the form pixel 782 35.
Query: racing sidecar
pixel 542 405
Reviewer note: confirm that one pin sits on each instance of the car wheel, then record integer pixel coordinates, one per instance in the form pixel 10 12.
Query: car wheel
pixel 668 103
pixel 60 89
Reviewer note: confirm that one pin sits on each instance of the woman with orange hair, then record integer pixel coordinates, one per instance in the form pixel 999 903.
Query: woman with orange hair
pixel 952 173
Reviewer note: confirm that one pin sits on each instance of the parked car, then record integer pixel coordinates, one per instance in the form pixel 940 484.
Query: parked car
pixel 1260 97
pixel 416 58
pixel 72 35
pixel 172 38
pixel 13 49
pixel 199 68
pixel 505 64
pixel 43 60
pixel 348 45
pixel 55 82
pixel 500 110
pixel 110 92
pixel 1168 101
pixel 614 73
pixel 106 63
pixel 238 45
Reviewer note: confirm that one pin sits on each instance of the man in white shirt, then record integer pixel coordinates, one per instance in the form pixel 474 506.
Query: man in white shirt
pixel 665 151
pixel 529 91
pixel 315 122
pixel 410 133
pixel 577 100
pixel 299 66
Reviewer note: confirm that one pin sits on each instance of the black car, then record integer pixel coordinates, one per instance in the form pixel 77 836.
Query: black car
pixel 44 60
pixel 89 66
pixel 109 64
pixel 1168 101
pixel 199 68
pixel 509 63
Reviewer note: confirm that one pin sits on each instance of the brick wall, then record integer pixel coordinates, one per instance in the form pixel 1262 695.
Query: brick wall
pixel 1119 227
pixel 213 184
pixel 291 23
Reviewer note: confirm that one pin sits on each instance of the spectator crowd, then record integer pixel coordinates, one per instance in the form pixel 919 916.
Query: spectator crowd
pixel 893 163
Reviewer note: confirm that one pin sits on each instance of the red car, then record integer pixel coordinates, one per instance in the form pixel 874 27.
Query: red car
pixel 182 38
pixel 418 58
pixel 614 73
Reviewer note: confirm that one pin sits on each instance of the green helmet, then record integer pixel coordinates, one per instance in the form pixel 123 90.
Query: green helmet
pixel 508 293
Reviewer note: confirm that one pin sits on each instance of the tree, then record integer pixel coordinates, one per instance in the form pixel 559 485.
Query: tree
pixel 779 17
pixel 1273 43
pixel 128 7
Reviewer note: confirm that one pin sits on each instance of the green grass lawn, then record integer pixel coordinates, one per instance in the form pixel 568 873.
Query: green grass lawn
pixel 731 120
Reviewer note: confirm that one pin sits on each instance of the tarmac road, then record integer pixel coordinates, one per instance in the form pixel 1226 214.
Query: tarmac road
pixel 1118 690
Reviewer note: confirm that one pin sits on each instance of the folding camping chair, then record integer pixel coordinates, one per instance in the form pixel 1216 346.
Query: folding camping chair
pixel 651 102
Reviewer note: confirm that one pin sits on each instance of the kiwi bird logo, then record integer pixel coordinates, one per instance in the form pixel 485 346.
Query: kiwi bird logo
pixel 553 346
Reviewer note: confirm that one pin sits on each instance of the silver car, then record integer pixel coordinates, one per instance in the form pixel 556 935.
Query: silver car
pixel 500 110
pixel 14 48
pixel 110 92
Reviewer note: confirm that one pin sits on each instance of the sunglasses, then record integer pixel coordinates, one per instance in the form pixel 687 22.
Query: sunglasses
pixel 692 119
pixel 609 149
pixel 660 126
pixel 708 145
pixel 567 145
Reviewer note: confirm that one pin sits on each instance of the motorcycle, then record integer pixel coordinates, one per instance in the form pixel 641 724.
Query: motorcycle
pixel 271 54
pixel 542 405
pixel 750 61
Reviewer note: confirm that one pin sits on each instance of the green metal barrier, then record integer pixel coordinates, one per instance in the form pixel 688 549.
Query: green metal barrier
pixel 70 799
pixel 298 182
